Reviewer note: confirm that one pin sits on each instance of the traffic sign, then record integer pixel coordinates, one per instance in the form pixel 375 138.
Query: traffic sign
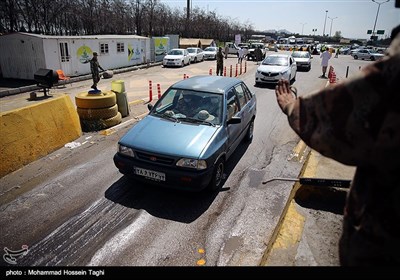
pixel 380 32
pixel 369 31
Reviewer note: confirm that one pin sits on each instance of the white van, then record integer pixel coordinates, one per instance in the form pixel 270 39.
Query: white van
pixel 233 49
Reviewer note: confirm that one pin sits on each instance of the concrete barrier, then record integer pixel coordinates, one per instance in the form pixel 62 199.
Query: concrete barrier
pixel 34 131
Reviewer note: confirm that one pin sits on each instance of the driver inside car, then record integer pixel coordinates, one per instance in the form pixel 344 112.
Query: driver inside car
pixel 187 105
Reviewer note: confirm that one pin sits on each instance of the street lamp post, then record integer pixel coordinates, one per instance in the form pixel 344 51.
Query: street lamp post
pixel 326 14
pixel 302 28
pixel 376 19
pixel 314 30
pixel 330 31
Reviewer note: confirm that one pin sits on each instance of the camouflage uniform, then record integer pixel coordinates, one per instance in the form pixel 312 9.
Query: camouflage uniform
pixel 357 122
pixel 220 62
pixel 94 69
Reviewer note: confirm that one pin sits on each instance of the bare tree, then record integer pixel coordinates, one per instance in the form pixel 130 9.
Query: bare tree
pixel 85 17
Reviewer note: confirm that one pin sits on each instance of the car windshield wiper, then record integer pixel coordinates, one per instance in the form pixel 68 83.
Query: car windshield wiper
pixel 166 116
pixel 193 120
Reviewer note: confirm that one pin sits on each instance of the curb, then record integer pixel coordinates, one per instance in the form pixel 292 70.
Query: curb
pixel 300 146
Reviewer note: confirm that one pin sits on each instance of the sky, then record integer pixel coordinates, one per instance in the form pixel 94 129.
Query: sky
pixel 352 17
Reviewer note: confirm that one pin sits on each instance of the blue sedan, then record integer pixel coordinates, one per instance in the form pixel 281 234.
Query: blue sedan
pixel 189 134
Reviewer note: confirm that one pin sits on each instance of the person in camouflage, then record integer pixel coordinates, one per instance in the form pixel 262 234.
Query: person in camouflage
pixel 220 61
pixel 94 69
pixel 357 122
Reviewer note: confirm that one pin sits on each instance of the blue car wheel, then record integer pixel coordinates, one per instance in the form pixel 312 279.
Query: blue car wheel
pixel 217 176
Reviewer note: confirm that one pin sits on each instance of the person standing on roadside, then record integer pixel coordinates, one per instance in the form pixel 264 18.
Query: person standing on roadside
pixel 325 55
pixel 258 54
pixel 220 61
pixel 94 69
pixel 357 122
pixel 226 51
pixel 240 55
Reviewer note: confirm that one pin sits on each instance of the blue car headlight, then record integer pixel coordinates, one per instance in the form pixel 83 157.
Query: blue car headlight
pixel 125 151
pixel 192 163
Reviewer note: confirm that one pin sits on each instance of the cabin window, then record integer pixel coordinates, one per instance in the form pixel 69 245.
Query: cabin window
pixel 120 47
pixel 103 48
pixel 64 52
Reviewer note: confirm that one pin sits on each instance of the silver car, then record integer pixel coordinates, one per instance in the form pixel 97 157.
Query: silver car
pixel 210 53
pixel 196 54
pixel 303 59
pixel 367 54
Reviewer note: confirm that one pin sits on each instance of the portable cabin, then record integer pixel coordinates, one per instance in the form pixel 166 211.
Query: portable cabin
pixel 22 54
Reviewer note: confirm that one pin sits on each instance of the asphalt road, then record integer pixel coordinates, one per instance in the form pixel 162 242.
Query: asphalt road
pixel 73 207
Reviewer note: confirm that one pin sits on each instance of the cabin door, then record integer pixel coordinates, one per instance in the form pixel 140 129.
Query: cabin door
pixel 65 58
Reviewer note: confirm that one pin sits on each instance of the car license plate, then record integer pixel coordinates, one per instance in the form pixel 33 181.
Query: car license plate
pixel 158 176
pixel 268 79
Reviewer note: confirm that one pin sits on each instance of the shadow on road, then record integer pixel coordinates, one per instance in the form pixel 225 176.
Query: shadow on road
pixel 321 198
pixel 166 203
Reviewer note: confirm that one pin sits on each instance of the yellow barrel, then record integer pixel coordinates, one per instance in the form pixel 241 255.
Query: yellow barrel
pixel 118 86
pixel 122 102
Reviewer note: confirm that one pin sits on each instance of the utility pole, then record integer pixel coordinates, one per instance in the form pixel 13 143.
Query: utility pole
pixel 376 19
pixel 187 18
pixel 330 31
pixel 302 29
pixel 188 10
pixel 326 14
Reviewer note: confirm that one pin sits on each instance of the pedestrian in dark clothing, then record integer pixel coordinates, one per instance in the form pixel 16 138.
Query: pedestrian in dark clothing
pixel 94 69
pixel 220 61
pixel 258 54
pixel 357 122
pixel 337 53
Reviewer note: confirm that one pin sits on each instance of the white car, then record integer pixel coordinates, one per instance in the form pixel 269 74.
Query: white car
pixel 177 57
pixel 210 53
pixel 196 54
pixel 275 67
pixel 303 59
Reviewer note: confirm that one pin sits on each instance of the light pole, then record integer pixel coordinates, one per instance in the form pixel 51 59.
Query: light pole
pixel 379 5
pixel 330 31
pixel 314 30
pixel 302 28
pixel 326 14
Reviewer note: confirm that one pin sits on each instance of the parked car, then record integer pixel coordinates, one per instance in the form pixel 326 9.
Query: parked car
pixel 210 53
pixel 275 67
pixel 196 54
pixel 176 57
pixel 189 134
pixel 303 59
pixel 344 50
pixel 367 54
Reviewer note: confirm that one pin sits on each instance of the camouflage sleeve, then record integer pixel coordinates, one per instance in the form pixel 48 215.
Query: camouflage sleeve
pixel 356 121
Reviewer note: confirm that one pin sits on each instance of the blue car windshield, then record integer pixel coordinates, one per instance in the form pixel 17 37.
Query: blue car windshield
pixel 188 105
